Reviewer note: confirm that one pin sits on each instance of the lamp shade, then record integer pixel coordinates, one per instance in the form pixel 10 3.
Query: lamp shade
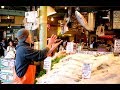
pixel 50 11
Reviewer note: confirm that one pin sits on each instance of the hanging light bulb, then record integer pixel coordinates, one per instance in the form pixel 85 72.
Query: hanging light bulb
pixel 52 19
pixel 2 6
pixel 65 8
pixel 8 17
pixel 9 26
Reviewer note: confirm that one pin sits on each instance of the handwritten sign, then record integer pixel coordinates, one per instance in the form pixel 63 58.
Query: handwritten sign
pixel 117 46
pixel 116 19
pixel 47 63
pixel 86 71
pixel 69 47
pixel 31 16
pixel 31 21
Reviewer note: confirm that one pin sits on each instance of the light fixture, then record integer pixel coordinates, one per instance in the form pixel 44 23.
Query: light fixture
pixel 50 11
pixel 52 19
pixel 9 26
pixel 2 6
pixel 65 8
pixel 8 17
pixel 105 15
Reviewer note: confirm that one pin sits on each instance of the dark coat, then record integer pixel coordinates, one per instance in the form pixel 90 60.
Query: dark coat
pixel 25 55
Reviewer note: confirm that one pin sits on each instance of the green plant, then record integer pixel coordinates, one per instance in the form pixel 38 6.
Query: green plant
pixel 41 73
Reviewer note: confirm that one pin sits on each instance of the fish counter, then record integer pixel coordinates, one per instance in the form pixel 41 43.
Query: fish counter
pixel 84 68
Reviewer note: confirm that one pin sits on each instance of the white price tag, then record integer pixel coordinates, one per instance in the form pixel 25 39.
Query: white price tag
pixel 69 47
pixel 47 63
pixel 117 46
pixel 86 71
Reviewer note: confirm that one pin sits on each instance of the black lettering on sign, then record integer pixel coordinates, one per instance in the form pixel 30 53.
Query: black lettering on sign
pixel 117 46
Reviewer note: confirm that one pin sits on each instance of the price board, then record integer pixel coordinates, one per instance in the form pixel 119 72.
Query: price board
pixel 31 20
pixel 31 16
pixel 86 71
pixel 69 47
pixel 116 19
pixel 117 46
pixel 47 63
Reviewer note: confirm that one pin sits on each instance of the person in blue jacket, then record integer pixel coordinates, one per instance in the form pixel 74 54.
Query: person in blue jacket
pixel 25 55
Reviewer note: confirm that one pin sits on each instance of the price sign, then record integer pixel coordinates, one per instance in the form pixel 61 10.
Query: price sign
pixel 31 16
pixel 86 71
pixel 31 25
pixel 69 47
pixel 117 46
pixel 47 63
pixel 31 21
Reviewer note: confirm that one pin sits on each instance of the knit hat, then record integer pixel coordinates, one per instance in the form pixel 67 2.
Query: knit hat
pixel 22 35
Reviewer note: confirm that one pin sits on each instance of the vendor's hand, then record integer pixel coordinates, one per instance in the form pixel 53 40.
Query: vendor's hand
pixel 52 39
pixel 54 46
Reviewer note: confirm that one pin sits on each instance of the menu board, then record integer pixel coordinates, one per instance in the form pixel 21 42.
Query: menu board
pixel 116 19
pixel 117 46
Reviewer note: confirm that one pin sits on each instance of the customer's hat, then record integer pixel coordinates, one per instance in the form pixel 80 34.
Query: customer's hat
pixel 22 35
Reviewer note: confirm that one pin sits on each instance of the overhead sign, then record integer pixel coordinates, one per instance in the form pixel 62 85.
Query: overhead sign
pixel 117 46
pixel 31 21
pixel 32 26
pixel 31 16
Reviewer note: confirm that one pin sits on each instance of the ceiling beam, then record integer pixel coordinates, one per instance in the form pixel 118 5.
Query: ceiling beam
pixel 12 12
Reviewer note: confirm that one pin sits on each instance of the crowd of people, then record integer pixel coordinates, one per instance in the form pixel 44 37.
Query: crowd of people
pixel 7 45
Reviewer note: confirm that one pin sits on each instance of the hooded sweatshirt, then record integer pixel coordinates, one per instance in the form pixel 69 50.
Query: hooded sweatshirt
pixel 25 55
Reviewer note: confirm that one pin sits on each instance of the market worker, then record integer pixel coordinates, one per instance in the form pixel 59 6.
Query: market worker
pixel 110 46
pixel 24 67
